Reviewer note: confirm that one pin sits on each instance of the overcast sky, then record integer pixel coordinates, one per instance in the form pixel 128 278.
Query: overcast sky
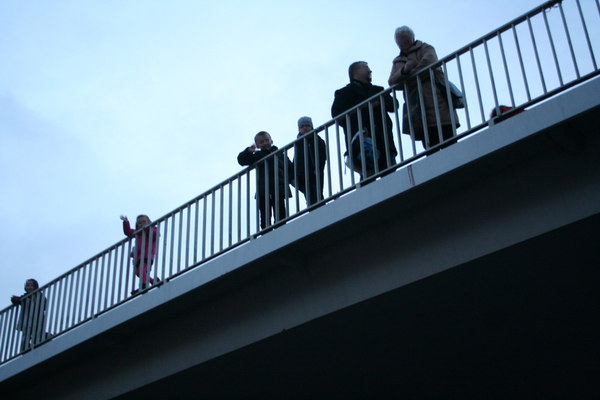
pixel 127 107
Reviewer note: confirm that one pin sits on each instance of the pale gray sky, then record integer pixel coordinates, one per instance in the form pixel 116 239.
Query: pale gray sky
pixel 112 107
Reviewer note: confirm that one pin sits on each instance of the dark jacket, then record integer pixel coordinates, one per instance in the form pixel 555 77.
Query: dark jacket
pixel 246 158
pixel 354 93
pixel 311 158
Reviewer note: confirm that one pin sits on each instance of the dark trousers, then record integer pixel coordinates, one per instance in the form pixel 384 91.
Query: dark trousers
pixel 265 211
pixel 312 193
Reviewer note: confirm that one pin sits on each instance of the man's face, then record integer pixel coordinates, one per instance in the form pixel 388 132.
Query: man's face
pixel 404 40
pixel 263 142
pixel 362 73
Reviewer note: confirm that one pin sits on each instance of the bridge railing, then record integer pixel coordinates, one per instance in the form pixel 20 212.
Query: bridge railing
pixel 535 56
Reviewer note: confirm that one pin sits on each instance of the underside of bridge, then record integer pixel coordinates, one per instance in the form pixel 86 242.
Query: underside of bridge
pixel 519 322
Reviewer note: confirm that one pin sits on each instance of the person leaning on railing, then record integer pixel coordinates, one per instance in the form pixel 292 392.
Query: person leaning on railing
pixel 270 201
pixel 32 318
pixel 358 90
pixel 144 248
pixel 309 163
pixel 414 56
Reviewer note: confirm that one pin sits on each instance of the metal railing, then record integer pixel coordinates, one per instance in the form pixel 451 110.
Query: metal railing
pixel 528 60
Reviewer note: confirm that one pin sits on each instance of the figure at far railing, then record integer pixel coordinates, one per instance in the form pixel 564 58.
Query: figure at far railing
pixel 428 113
pixel 310 156
pixel 144 250
pixel 367 130
pixel 32 315
pixel 273 177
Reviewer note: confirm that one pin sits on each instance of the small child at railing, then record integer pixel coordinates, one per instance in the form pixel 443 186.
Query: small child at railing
pixel 266 198
pixel 144 248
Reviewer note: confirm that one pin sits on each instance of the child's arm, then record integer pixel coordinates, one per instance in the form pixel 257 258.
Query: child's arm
pixel 247 156
pixel 126 227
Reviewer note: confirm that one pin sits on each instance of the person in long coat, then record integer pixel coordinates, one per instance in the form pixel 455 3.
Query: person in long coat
pixel 310 156
pixel 32 317
pixel 414 56
pixel 358 90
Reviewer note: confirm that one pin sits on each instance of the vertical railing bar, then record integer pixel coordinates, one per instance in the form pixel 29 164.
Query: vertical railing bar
pixel 140 261
pixel 248 216
pixel 296 180
pixel 361 139
pixel 154 258
pixel 172 244
pixel 436 106
pixel 267 194
pixel 449 99
pixel 230 215
pixel 585 30
pixel 373 134
pixel 221 212
pixel 553 48
pixel 179 240
pixel 562 14
pixel 107 288
pixel 212 223
pixel 423 112
pixel 328 156
pixel 187 236
pixel 317 172
pixel 349 147
pixel 537 56
pixel 339 156
pixel 306 172
pixel 506 73
pixel 204 232
pixel 164 250
pixel 521 63
pixel 476 76
pixel 492 81
pixel 386 128
pixel 239 208
pixel 70 307
pixel 276 183
pixel 13 335
pixel 4 333
pixel 411 126
pixel 88 294
pixel 121 252
pixel 80 289
pixel 196 218
pixel 398 126
pixel 462 87
pixel 286 182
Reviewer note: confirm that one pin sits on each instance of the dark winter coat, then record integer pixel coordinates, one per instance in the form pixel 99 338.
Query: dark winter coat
pixel 246 158
pixel 354 93
pixel 309 161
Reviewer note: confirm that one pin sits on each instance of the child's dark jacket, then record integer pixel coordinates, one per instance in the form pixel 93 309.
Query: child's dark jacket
pixel 246 158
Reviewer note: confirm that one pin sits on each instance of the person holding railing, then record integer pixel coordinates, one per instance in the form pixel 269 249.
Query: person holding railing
pixel 144 248
pixel 359 124
pixel 272 181
pixel 310 156
pixel 414 56
pixel 32 318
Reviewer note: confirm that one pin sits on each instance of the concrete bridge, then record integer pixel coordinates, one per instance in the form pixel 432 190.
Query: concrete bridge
pixel 472 272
